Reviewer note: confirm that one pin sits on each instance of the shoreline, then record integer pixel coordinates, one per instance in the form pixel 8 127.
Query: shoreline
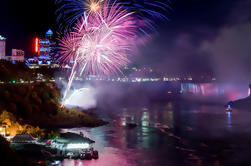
pixel 71 118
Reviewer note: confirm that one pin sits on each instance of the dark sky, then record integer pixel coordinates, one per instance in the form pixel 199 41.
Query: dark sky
pixel 201 36
pixel 206 36
pixel 22 20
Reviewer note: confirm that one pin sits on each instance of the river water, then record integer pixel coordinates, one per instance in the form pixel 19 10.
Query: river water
pixel 170 134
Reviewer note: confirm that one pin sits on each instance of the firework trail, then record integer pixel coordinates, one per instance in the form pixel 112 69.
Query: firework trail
pixel 104 33
pixel 100 42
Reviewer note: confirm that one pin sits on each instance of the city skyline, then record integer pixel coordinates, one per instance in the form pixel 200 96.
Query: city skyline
pixel 188 41
pixel 125 82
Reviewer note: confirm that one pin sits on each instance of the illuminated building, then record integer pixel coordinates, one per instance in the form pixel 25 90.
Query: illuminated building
pixel 72 142
pixel 45 48
pixel 17 55
pixel 2 47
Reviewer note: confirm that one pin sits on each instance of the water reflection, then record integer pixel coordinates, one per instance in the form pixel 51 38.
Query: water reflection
pixel 229 120
pixel 173 134
pixel 145 120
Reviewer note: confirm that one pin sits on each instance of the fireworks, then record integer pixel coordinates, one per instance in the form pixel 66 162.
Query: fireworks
pixel 105 32
pixel 100 42
pixel 72 10
pixel 68 46
pixel 145 10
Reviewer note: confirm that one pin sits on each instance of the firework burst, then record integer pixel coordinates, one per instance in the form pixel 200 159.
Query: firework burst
pixel 100 42
pixel 145 10
pixel 103 33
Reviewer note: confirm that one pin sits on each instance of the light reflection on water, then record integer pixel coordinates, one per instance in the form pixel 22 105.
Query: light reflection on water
pixel 176 134
pixel 229 120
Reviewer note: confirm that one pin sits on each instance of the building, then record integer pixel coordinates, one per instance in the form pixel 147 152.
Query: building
pixel 45 47
pixel 2 47
pixel 72 145
pixel 17 55
pixel 24 138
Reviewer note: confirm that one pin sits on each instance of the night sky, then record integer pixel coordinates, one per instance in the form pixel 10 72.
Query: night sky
pixel 201 36
pixel 22 20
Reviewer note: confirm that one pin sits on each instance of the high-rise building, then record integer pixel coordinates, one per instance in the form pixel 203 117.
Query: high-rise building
pixel 45 46
pixel 2 47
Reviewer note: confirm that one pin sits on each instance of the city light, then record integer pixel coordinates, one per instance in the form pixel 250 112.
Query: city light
pixel 2 38
pixel 78 146
pixel 36 45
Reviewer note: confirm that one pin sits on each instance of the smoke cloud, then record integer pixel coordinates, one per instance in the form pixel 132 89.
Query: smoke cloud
pixel 82 96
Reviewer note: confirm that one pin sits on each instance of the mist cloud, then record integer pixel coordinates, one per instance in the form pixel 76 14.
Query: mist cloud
pixel 210 37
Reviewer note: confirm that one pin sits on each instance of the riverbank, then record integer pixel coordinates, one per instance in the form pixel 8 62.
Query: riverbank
pixel 244 104
pixel 69 118
pixel 48 129
pixel 37 105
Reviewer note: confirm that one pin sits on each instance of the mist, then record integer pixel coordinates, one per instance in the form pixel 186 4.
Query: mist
pixel 215 43
pixel 80 96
